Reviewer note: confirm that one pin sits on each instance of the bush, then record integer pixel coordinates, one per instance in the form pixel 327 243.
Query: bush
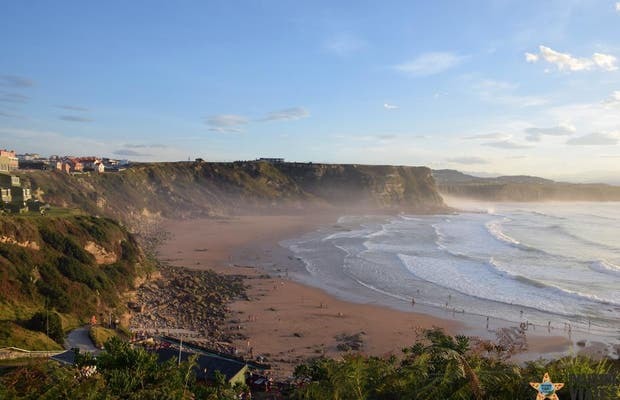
pixel 49 323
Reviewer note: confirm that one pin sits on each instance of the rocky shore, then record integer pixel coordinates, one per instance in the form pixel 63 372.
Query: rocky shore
pixel 189 304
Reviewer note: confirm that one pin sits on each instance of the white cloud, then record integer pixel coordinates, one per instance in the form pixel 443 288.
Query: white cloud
pixel 566 62
pixel 390 106
pixel 467 160
pixel 618 6
pixel 287 114
pixel 535 134
pixel 430 63
pixel 224 123
pixel 344 44
pixel 595 139
pixel 613 100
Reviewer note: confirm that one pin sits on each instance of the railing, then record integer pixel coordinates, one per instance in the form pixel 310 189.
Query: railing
pixel 10 353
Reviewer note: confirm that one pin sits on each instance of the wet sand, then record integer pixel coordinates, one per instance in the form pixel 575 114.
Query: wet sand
pixel 286 321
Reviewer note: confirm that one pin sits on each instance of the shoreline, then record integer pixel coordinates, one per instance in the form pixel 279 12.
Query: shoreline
pixel 286 321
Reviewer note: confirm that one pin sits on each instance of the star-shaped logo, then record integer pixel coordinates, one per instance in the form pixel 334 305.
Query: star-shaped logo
pixel 546 389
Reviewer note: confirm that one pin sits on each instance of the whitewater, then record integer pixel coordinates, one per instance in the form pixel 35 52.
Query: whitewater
pixel 547 264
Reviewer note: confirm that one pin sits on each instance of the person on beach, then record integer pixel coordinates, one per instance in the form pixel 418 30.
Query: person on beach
pixel 412 301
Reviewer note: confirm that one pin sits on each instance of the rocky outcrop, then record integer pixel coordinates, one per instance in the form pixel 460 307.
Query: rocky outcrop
pixel 31 244
pixel 102 256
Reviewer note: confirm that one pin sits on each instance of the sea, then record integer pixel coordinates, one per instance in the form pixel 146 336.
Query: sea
pixel 554 267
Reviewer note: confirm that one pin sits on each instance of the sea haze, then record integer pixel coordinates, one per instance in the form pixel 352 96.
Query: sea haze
pixel 541 263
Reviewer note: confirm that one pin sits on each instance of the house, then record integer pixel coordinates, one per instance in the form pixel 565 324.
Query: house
pixel 271 160
pixel 92 164
pixel 8 161
pixel 233 370
pixel 12 193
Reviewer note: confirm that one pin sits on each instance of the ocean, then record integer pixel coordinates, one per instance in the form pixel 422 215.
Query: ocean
pixel 553 265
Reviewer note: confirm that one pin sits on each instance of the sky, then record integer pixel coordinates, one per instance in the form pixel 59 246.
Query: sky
pixel 497 86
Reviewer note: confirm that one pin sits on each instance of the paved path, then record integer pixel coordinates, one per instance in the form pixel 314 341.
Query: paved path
pixel 79 338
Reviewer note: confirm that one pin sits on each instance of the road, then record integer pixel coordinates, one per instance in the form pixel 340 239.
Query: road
pixel 79 338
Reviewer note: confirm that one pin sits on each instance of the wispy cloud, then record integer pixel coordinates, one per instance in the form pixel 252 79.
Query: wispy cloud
pixel 595 139
pixel 145 146
pixel 390 106
pixel 72 108
pixel 535 134
pixel 566 62
pixel 506 144
pixel 11 115
pixel 226 123
pixel 467 160
pixel 130 153
pixel 74 118
pixel 430 63
pixel 7 97
pixel 618 6
pixel 502 92
pixel 15 81
pixel 344 44
pixel 495 135
pixel 287 114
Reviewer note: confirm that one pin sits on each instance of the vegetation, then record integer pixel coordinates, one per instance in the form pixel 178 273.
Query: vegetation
pixel 439 366
pixel 49 323
pixel 122 372
pixel 100 335
pixel 44 265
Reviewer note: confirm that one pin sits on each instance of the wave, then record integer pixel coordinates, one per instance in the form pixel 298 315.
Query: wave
pixel 605 267
pixel 495 229
pixel 542 214
pixel 545 285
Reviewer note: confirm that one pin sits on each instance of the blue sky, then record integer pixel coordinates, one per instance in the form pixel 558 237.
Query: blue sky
pixel 512 87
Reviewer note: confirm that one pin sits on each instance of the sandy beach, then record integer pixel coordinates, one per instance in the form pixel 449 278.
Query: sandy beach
pixel 285 321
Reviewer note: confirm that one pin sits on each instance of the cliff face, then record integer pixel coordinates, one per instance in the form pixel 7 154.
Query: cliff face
pixel 520 188
pixel 182 190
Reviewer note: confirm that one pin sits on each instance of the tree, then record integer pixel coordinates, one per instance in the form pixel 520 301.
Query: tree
pixel 48 322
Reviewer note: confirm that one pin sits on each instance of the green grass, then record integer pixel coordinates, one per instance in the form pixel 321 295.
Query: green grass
pixel 100 335
pixel 13 335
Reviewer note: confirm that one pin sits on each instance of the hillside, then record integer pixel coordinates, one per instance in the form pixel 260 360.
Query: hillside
pixel 76 265
pixel 190 189
pixel 520 188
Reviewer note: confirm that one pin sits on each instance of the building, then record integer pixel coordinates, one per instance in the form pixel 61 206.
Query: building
pixel 234 371
pixel 271 160
pixel 8 161
pixel 13 194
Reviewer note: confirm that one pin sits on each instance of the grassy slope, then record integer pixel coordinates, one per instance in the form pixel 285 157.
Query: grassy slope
pixel 60 272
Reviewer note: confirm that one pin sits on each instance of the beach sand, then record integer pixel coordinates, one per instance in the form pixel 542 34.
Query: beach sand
pixel 286 321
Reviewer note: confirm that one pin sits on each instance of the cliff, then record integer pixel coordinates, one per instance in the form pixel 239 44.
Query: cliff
pixel 190 189
pixel 520 188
